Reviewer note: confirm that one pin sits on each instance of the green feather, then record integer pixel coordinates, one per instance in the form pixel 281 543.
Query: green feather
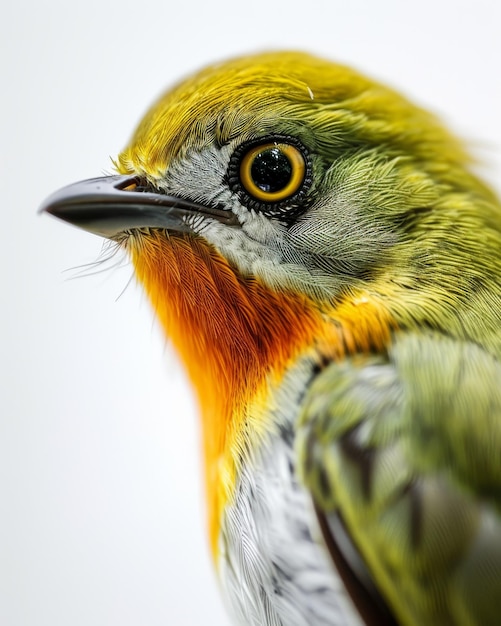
pixel 405 448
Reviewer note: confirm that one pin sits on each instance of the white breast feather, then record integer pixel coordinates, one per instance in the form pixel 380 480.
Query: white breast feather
pixel 274 567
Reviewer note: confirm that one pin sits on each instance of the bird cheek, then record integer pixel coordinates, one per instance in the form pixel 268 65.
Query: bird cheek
pixel 343 232
pixel 259 228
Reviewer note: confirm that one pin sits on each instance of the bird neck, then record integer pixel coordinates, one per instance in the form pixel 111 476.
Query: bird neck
pixel 236 339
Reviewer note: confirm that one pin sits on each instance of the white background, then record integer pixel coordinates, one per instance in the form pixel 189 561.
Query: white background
pixel 101 509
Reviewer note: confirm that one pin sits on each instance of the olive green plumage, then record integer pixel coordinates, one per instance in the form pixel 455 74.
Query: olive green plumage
pixel 407 448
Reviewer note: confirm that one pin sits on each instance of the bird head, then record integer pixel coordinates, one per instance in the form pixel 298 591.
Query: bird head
pixel 280 205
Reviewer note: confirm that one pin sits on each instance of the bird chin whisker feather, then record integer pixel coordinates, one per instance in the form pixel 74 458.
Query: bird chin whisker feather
pixel 111 258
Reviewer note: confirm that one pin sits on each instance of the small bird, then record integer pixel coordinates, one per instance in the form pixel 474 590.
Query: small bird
pixel 328 268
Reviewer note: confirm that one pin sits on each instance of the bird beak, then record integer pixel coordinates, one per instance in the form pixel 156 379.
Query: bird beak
pixel 110 205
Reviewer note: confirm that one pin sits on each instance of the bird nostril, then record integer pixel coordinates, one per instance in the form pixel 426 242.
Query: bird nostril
pixel 131 187
pixel 131 184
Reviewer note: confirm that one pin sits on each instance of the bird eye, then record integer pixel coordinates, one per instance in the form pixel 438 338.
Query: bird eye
pixel 272 171
pixel 271 175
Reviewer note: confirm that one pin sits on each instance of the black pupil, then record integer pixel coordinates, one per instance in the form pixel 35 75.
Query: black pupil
pixel 271 170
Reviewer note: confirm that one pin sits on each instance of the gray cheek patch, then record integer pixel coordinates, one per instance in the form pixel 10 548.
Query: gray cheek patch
pixel 259 246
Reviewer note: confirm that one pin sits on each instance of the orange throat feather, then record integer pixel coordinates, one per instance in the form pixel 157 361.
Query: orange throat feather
pixel 235 335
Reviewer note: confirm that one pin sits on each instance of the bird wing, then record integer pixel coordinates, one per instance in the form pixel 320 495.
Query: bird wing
pixel 402 455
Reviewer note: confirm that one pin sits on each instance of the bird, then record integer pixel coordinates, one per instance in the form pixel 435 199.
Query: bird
pixel 327 264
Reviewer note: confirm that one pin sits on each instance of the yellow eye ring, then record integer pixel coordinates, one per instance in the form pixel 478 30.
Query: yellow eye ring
pixel 273 171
